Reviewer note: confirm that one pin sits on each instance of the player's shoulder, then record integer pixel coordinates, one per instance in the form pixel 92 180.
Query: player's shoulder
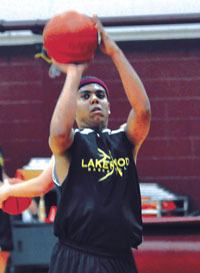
pixel 88 131
pixel 115 131
pixel 85 131
pixel 118 131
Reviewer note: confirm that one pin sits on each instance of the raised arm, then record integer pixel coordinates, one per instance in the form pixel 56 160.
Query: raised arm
pixel 61 127
pixel 138 122
pixel 62 122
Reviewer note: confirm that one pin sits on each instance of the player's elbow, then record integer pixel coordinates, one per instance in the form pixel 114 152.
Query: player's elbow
pixel 147 113
pixel 144 114
pixel 59 143
pixel 147 108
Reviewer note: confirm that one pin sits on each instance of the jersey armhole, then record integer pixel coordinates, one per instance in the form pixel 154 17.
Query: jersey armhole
pixel 54 175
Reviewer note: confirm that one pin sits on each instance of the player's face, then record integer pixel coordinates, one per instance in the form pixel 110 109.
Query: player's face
pixel 93 107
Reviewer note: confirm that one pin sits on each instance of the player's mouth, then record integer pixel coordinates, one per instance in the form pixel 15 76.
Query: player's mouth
pixel 96 109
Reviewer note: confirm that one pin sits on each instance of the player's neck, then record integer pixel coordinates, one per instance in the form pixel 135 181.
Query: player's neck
pixel 98 128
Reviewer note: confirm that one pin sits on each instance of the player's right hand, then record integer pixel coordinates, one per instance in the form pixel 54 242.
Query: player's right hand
pixel 71 67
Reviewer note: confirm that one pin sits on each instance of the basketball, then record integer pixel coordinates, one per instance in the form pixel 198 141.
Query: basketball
pixel 16 205
pixel 70 37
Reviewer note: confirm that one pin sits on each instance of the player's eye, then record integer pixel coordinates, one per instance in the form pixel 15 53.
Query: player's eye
pixel 85 95
pixel 100 94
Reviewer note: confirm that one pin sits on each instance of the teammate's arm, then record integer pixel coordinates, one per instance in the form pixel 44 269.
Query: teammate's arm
pixel 29 188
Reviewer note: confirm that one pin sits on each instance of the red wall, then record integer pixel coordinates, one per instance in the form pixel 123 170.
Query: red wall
pixel 170 71
pixel 171 155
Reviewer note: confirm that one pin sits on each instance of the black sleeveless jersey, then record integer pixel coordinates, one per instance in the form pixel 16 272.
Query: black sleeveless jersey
pixel 100 204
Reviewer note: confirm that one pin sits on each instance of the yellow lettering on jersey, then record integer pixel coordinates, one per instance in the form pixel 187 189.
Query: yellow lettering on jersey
pixel 91 163
pixel 83 165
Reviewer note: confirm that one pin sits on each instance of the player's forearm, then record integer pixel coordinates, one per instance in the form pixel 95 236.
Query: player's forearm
pixel 132 84
pixel 64 114
pixel 31 188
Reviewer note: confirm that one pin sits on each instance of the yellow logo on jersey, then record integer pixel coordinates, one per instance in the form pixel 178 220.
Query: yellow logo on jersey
pixel 107 164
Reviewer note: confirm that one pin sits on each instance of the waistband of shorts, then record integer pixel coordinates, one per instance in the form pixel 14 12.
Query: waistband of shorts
pixel 97 251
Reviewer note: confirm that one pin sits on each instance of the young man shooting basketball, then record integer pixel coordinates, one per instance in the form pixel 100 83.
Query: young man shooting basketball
pixel 99 213
pixel 98 219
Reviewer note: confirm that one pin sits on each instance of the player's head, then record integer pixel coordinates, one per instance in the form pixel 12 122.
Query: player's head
pixel 93 107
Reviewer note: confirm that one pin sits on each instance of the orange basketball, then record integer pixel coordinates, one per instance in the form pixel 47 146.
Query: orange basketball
pixel 16 205
pixel 70 37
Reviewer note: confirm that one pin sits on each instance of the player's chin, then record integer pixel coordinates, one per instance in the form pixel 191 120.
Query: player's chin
pixel 98 123
pixel 98 119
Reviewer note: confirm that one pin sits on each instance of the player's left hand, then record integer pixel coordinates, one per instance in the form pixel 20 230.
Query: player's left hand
pixel 108 45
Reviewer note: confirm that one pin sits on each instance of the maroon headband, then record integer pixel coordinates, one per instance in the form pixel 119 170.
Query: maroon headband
pixel 91 79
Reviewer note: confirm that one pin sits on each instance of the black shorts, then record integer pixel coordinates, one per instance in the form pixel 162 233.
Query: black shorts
pixel 6 243
pixel 67 258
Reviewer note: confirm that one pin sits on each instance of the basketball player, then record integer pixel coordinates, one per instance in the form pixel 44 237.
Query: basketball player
pixel 99 214
pixel 98 219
